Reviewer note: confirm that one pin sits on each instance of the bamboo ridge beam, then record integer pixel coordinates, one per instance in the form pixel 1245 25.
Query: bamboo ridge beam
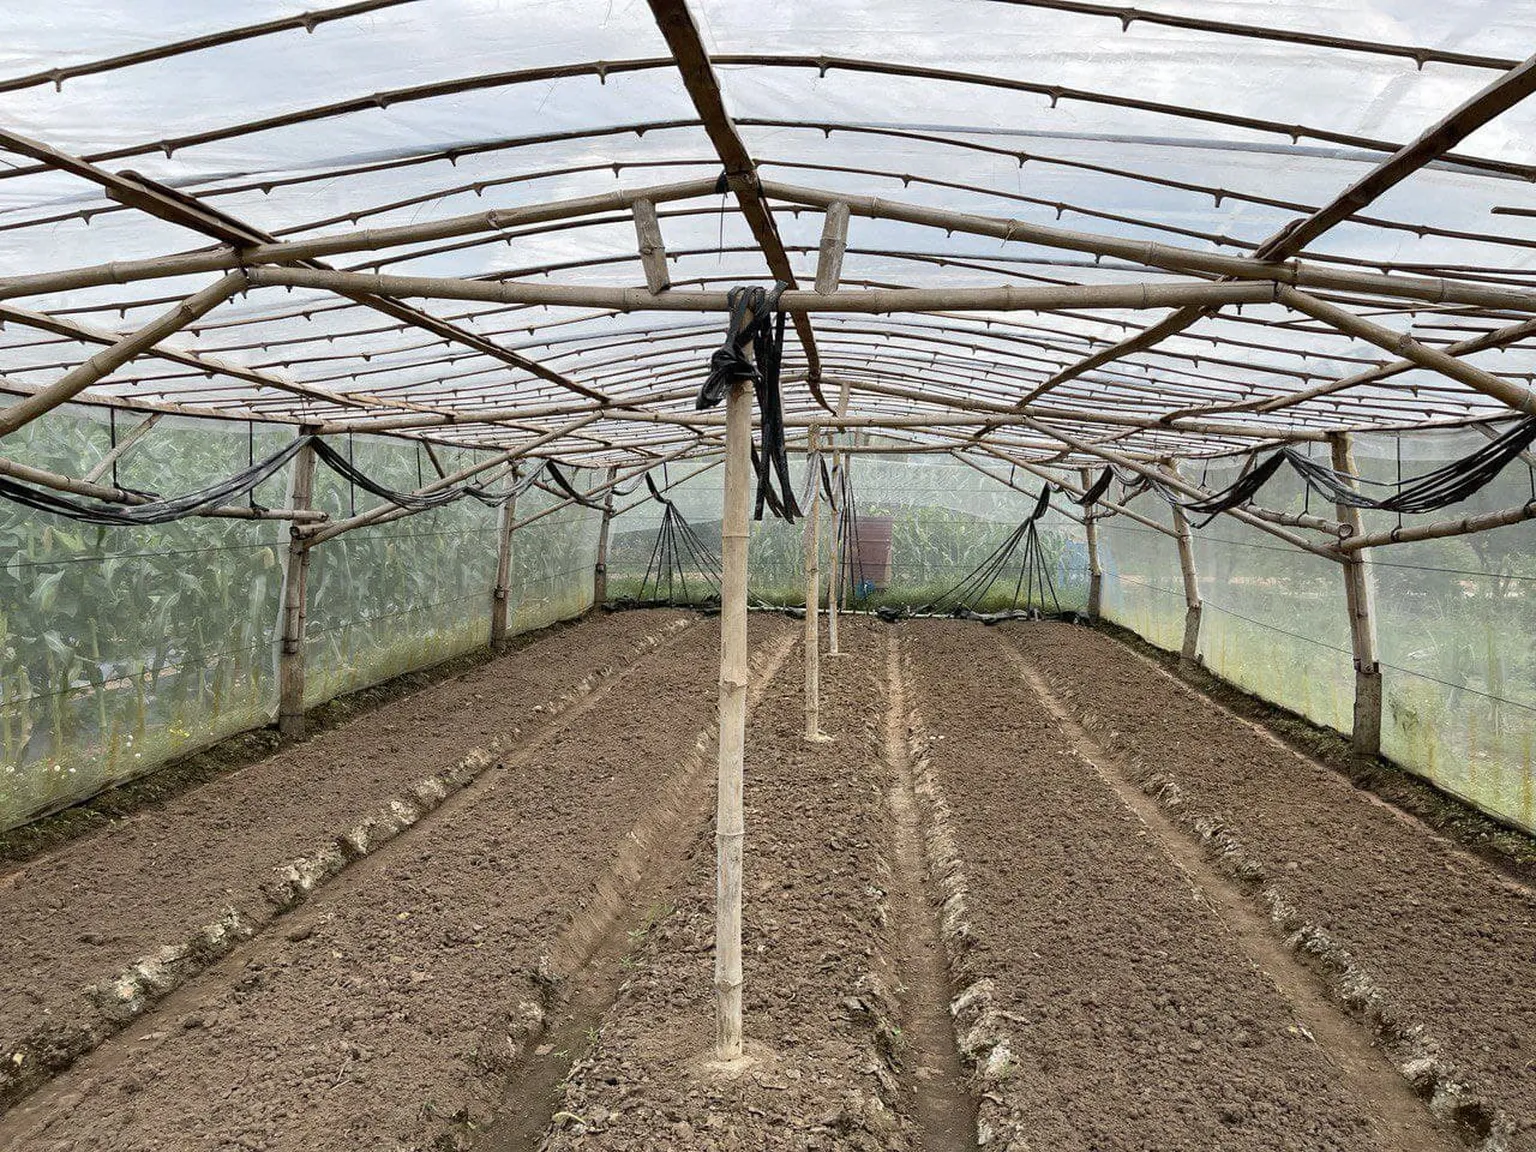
pixel 1001 299
pixel 107 361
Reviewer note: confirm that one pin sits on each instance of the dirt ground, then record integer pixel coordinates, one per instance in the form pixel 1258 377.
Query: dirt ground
pixel 975 918
pixel 1430 945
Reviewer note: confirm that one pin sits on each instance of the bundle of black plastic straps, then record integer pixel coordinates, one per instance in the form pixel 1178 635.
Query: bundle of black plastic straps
pixel 158 510
pixel 1439 488
pixel 764 334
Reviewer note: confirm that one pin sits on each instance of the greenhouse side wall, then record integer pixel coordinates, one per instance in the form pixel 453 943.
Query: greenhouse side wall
pixel 124 647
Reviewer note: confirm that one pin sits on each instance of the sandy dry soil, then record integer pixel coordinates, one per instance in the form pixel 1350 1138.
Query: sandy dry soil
pixel 964 918
pixel 382 1012
pixel 822 1041
pixel 1432 946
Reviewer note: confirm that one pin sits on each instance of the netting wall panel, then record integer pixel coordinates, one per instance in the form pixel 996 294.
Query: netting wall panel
pixel 1143 588
pixel 121 648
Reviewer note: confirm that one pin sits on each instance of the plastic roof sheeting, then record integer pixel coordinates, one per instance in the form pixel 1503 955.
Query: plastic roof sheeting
pixel 385 114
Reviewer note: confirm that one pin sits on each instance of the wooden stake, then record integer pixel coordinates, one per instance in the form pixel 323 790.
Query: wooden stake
pixel 1359 592
pixel 600 569
pixel 1095 568
pixel 290 707
pixel 1189 651
pixel 729 822
pixel 812 530
pixel 502 593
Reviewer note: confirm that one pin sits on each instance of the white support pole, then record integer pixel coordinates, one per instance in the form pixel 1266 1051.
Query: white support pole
pixel 729 821
pixel 290 664
pixel 1360 595
pixel 812 530
pixel 1189 650
pixel 501 595
pixel 600 569
pixel 1095 566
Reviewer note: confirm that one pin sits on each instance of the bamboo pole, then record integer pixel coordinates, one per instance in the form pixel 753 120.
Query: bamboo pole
pixel 122 448
pixel 729 819
pixel 1095 567
pixel 294 251
pixel 108 360
pixel 1183 486
pixel 394 511
pixel 1400 344
pixel 1190 649
pixel 600 569
pixel 290 707
pixel 1169 256
pixel 1000 298
pixel 653 249
pixel 501 594
pixel 118 496
pixel 1440 529
pixel 812 532
pixel 1360 595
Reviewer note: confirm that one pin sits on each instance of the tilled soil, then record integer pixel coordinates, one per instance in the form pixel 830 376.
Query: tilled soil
pixel 78 918
pixel 1102 1002
pixel 1431 946
pixel 385 1011
pixel 823 1046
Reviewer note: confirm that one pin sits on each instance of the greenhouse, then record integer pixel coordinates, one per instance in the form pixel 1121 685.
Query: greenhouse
pixel 705 576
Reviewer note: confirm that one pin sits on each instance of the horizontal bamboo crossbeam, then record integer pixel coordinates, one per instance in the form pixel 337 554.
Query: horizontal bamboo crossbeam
pixel 295 251
pixel 1158 255
pixel 108 494
pixel 874 300
pixel 1440 529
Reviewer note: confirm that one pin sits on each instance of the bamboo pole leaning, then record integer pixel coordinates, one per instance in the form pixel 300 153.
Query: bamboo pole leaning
pixel 1189 650
pixel 109 359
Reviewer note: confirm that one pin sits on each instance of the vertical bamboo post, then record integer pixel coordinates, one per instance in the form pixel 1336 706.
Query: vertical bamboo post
pixel 600 570
pixel 1360 595
pixel 729 824
pixel 290 664
pixel 1191 646
pixel 501 594
pixel 812 530
pixel 1095 567
pixel 835 579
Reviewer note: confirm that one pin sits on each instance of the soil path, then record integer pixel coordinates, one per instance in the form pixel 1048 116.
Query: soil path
pixel 389 1011
pixel 823 1041
pixel 1434 949
pixel 931 1064
pixel 1105 1004
pixel 1365 1069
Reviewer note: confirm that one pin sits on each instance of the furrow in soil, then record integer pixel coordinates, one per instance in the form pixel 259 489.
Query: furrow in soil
pixel 390 1008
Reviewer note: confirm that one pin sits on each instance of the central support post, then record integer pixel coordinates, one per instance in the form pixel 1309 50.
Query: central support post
pixel 729 822
pixel 812 529
pixel 600 570
pixel 290 661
